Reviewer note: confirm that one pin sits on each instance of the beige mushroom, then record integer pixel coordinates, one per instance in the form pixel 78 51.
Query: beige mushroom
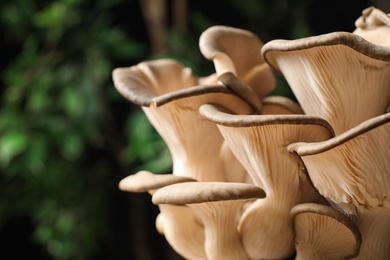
pixel 374 26
pixel 219 206
pixel 352 171
pixel 322 232
pixel 236 54
pixel 259 142
pixel 339 76
pixel 278 105
pixel 170 97
pixel 180 226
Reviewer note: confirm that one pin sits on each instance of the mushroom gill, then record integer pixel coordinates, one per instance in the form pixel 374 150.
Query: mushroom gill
pixel 170 97
pixel 339 76
pixel 258 142
pixel 321 232
pixel 352 171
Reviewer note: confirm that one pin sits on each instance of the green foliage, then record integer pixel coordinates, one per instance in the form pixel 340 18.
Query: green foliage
pixel 66 135
pixel 56 102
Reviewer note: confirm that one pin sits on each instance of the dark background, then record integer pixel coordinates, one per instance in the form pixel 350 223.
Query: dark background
pixel 67 137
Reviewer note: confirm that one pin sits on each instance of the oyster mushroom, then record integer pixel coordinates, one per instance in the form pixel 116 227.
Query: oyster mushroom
pixel 374 26
pixel 330 74
pixel 258 142
pixel 181 228
pixel 224 46
pixel 322 232
pixel 278 105
pixel 219 206
pixel 352 171
pixel 170 96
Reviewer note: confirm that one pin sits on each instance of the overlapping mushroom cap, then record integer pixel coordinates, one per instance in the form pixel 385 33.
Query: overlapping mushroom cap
pixel 352 171
pixel 170 97
pixel 259 142
pixel 219 206
pixel 237 51
pixel 180 226
pixel 341 80
pixel 374 26
pixel 339 76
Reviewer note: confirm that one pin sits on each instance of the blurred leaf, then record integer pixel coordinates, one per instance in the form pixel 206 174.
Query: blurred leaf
pixel 11 145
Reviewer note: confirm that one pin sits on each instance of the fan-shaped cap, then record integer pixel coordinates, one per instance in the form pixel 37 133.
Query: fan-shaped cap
pixel 219 206
pixel 170 98
pixel 324 233
pixel 144 181
pixel 329 75
pixel 258 142
pixel 178 224
pixel 224 46
pixel 144 82
pixel 374 26
pixel 352 169
pixel 199 192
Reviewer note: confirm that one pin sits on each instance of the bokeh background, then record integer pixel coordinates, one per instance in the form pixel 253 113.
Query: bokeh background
pixel 67 137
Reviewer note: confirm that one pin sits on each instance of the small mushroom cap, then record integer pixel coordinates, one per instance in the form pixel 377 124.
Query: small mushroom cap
pixel 199 192
pixel 374 26
pixel 142 83
pixel 223 45
pixel 324 233
pixel 144 181
pixel 225 42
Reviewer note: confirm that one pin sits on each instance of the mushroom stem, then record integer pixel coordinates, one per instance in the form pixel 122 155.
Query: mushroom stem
pixel 375 229
pixel 266 217
pixel 183 231
pixel 218 205
pixel 222 240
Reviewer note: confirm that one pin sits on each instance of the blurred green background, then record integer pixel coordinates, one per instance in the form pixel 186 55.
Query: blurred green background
pixel 67 137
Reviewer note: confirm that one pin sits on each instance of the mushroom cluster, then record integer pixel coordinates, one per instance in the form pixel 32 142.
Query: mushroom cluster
pixel 257 176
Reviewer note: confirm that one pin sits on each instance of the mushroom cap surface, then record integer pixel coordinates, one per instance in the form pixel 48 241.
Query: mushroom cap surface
pixel 330 74
pixel 374 26
pixel 223 45
pixel 199 192
pixel 352 169
pixel 144 181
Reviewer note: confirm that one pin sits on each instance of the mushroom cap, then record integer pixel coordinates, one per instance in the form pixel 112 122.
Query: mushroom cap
pixel 199 192
pixel 170 98
pixel 218 205
pixel 259 141
pixel 374 26
pixel 223 45
pixel 178 224
pixel 141 83
pixel 144 181
pixel 352 169
pixel 162 81
pixel 324 233
pixel 329 75
pixel 241 89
